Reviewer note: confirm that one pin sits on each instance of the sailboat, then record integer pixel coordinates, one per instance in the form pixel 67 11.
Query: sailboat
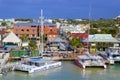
pixel 37 64
pixel 88 60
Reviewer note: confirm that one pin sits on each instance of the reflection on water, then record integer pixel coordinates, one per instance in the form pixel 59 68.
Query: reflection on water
pixel 45 73
pixel 68 71
pixel 92 71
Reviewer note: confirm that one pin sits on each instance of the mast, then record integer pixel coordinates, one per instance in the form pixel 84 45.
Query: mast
pixel 41 32
pixel 89 17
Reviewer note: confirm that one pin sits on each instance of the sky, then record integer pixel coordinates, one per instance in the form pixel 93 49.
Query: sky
pixel 75 9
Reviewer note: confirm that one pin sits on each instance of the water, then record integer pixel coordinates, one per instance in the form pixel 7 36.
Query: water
pixel 68 71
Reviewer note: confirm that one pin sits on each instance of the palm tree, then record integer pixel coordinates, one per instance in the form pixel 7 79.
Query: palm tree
pixel 32 45
pixel 24 38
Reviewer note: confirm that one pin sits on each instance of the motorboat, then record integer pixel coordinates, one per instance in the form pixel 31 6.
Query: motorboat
pixel 113 54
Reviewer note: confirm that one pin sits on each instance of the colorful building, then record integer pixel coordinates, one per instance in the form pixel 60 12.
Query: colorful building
pixel 58 44
pixel 100 42
pixel 33 30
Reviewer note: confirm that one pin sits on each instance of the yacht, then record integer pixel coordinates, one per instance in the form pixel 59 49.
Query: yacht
pixel 84 61
pixel 113 54
pixel 36 65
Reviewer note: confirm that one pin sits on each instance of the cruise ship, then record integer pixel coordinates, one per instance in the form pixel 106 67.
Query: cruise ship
pixel 36 65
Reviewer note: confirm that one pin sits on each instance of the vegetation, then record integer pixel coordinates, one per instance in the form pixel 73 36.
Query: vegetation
pixel 94 23
pixel 24 38
pixel 32 45
pixel 107 26
pixel 68 33
pixel 44 38
pixel 22 19
pixel 112 31
pixel 4 23
pixel 75 42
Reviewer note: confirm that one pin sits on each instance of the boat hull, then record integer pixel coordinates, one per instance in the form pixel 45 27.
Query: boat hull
pixel 79 64
pixel 38 69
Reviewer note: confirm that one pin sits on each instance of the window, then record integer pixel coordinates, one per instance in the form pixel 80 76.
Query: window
pixel 33 30
pixel 22 30
pixel 27 30
pixel 16 30
pixel 33 35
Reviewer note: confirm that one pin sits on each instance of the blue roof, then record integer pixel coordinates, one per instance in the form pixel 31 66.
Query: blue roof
pixel 36 59
pixel 36 23
pixel 58 39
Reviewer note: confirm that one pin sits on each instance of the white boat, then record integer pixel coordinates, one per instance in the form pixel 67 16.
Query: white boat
pixel 114 54
pixel 107 58
pixel 31 66
pixel 84 61
pixel 111 60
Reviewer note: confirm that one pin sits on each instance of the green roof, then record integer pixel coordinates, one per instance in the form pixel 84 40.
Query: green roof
pixel 102 38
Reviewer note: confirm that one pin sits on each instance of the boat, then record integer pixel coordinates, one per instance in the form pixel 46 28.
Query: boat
pixel 34 65
pixel 107 58
pixel 84 61
pixel 37 64
pixel 113 54
pixel 2 73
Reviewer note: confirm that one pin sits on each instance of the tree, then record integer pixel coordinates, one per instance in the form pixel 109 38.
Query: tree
pixel 44 38
pixel 4 23
pixel 32 45
pixel 24 38
pixel 75 42
pixel 68 33
pixel 22 19
pixel 93 31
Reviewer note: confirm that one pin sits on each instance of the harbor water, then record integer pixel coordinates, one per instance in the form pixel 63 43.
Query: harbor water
pixel 68 71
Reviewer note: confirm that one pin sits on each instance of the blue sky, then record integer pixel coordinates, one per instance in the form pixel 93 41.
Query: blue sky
pixel 59 8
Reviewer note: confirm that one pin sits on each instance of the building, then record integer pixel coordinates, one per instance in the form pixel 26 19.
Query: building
pixel 79 35
pixel 117 18
pixel 58 44
pixel 33 30
pixel 51 36
pixel 100 42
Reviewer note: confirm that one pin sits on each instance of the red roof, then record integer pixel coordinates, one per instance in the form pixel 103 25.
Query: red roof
pixel 3 32
pixel 80 35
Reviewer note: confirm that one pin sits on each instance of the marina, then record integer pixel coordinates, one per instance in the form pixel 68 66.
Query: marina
pixel 74 40
pixel 68 71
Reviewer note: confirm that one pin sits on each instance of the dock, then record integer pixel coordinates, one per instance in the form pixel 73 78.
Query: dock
pixel 58 58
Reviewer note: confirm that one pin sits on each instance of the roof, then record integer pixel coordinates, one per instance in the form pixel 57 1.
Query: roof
pixel 80 35
pixel 11 37
pixel 101 38
pixel 58 39
pixel 33 24
pixel 3 32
